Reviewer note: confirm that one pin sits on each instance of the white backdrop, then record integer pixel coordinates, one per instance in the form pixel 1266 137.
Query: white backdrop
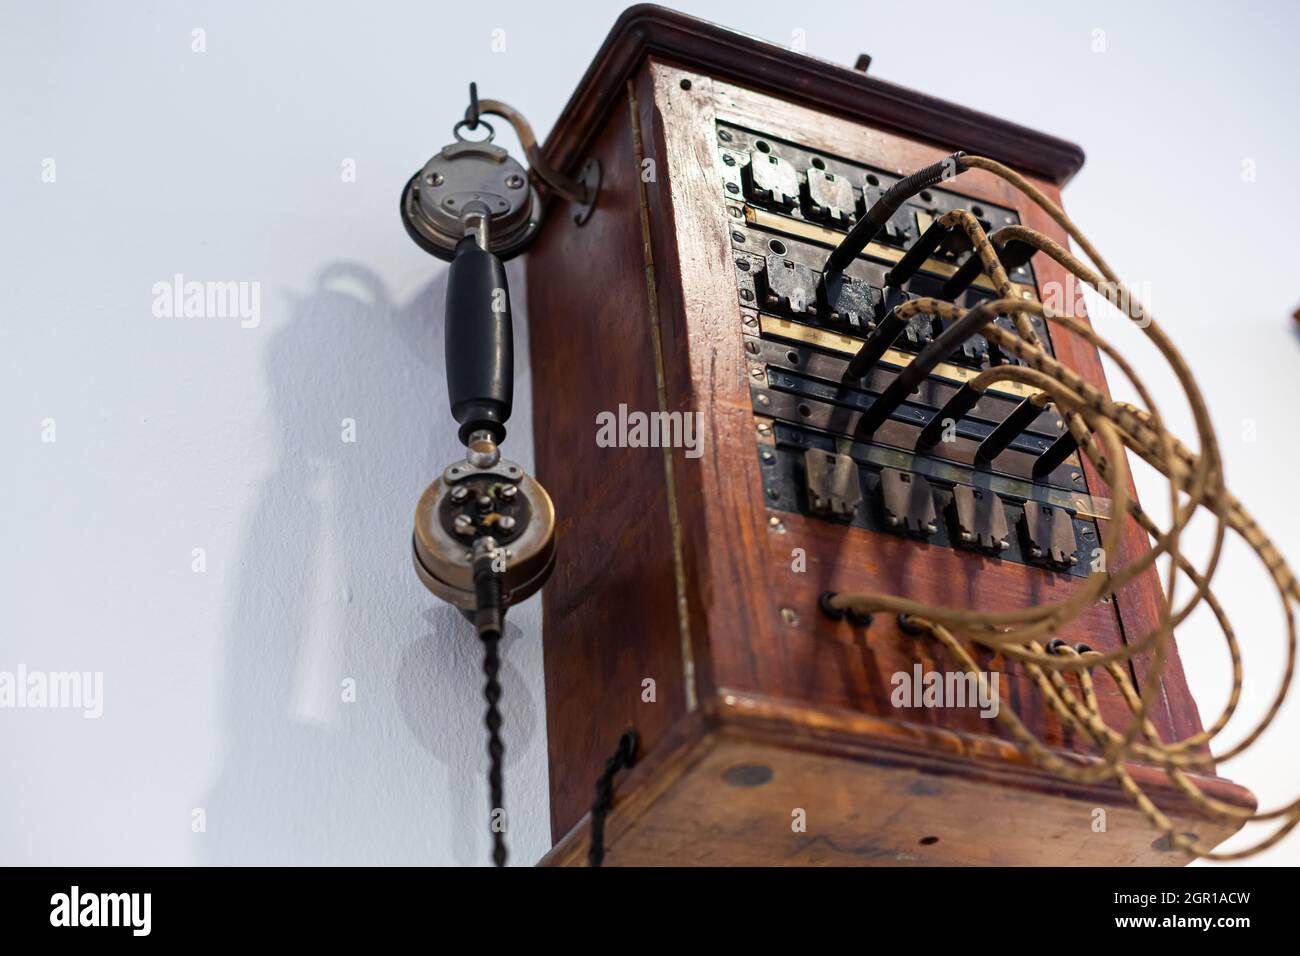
pixel 274 155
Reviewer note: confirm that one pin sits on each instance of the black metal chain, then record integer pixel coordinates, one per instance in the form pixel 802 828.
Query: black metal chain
pixel 623 757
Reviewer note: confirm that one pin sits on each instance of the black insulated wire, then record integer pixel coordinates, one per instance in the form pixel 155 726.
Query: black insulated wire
pixel 623 757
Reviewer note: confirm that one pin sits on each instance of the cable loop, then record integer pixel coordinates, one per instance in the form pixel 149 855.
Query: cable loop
pixel 1104 431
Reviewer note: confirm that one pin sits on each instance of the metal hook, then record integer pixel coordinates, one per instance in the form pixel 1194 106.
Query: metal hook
pixel 581 191
pixel 471 111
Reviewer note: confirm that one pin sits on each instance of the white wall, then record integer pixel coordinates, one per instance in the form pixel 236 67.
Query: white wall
pixel 221 689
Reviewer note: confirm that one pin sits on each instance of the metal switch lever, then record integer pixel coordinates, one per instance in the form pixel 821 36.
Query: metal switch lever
pixel 774 180
pixel 1049 535
pixel 790 285
pixel 907 502
pixel 830 197
pixel 833 484
pixel 980 519
pixel 850 300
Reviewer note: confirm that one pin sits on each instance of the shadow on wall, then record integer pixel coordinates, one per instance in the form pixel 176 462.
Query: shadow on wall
pixel 325 594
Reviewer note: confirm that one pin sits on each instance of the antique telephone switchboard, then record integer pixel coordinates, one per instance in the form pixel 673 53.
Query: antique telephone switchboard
pixel 843 280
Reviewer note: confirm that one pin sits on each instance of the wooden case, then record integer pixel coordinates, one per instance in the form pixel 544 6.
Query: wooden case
pixel 671 569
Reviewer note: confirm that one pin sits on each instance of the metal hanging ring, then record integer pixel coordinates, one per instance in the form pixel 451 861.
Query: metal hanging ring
pixel 455 131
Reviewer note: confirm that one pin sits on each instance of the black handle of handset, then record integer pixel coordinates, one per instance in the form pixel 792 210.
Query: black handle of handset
pixel 479 342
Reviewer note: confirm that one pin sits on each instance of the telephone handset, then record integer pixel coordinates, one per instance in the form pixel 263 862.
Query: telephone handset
pixel 484 530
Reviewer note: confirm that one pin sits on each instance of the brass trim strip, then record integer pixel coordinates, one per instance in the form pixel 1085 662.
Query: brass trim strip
pixel 849 345
pixel 875 250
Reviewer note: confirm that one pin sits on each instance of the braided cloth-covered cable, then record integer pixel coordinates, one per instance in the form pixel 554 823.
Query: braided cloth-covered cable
pixel 1104 429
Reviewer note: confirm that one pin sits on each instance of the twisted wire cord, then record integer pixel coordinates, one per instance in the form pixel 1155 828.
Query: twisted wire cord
pixel 1104 430
pixel 488 620
pixel 496 746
